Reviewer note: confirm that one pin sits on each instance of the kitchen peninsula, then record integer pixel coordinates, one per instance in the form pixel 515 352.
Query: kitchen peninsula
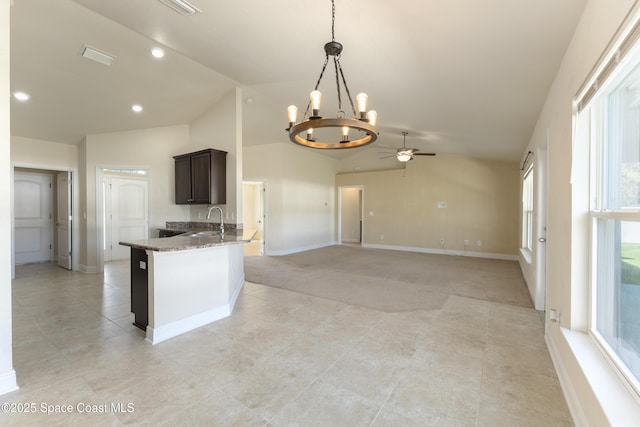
pixel 183 282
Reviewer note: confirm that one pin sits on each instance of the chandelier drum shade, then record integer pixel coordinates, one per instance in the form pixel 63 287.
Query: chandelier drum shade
pixel 355 131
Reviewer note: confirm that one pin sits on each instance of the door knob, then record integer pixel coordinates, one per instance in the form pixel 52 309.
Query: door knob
pixel 542 240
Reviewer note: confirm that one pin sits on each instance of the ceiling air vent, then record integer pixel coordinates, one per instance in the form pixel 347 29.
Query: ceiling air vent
pixel 183 7
pixel 97 55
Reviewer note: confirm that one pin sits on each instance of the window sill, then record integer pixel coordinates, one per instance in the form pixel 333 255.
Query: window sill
pixel 619 405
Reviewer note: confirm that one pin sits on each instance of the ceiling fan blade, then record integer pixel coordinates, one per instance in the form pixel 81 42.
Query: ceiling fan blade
pixel 424 154
pixel 389 156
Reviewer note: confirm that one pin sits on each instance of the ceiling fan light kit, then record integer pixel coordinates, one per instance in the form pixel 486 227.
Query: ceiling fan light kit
pixel 405 154
pixel 363 122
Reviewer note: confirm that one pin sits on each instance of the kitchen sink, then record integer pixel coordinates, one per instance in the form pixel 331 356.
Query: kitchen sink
pixel 205 233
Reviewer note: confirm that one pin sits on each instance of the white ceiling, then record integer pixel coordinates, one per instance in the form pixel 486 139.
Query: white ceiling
pixel 461 76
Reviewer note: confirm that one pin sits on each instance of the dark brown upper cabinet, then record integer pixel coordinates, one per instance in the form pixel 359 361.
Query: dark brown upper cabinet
pixel 201 178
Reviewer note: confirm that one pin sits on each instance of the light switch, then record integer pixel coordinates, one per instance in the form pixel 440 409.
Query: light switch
pixel 442 205
pixel 370 213
pixel 143 265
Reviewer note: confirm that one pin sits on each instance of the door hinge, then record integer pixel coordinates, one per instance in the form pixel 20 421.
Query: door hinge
pixel 49 247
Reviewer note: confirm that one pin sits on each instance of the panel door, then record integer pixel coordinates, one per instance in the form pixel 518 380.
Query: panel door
pixel 33 206
pixel 201 178
pixel 129 214
pixel 183 180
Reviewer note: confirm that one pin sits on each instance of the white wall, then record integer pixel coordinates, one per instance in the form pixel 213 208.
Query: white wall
pixel 595 395
pixel 41 154
pixel 150 149
pixel 220 127
pixel 7 373
pixel 300 195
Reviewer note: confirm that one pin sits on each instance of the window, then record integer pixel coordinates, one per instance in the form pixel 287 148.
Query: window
pixel 527 210
pixel 615 218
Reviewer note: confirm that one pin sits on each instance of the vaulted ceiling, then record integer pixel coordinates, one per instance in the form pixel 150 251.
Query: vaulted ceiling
pixel 461 76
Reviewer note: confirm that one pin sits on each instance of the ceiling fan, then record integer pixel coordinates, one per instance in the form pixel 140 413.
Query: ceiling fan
pixel 405 154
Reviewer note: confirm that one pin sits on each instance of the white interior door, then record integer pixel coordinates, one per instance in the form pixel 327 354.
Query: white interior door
pixel 63 220
pixel 126 215
pixel 540 206
pixel 33 207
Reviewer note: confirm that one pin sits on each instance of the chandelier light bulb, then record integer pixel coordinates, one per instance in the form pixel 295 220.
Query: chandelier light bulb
pixel 372 117
pixel 292 111
pixel 345 133
pixel 316 100
pixel 362 100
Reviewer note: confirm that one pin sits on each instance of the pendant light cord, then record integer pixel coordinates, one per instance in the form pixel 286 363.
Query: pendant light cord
pixel 333 20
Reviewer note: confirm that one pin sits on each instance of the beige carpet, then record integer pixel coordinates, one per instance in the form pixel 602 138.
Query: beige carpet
pixel 390 281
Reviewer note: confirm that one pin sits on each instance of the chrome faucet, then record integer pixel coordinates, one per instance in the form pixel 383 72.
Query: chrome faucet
pixel 221 216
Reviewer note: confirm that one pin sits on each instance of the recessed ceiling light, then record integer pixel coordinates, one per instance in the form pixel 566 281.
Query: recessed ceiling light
pixel 21 96
pixel 157 52
pixel 137 108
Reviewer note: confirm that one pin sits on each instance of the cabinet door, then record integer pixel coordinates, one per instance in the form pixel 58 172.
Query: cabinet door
pixel 183 180
pixel 201 178
pixel 219 177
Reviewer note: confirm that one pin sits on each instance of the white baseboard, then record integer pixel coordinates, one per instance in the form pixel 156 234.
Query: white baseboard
pixel 570 395
pixel 87 269
pixel 170 330
pixel 488 255
pixel 236 293
pixel 8 382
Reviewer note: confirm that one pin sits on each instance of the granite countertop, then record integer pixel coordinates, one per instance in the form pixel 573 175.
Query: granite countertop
pixel 190 241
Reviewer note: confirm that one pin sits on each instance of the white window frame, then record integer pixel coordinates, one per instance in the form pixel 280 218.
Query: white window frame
pixel 526 243
pixel 599 211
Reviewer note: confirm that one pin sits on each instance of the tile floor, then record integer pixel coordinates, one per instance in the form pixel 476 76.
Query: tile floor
pixel 281 359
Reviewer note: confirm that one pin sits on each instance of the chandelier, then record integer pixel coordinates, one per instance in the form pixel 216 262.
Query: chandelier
pixel 361 127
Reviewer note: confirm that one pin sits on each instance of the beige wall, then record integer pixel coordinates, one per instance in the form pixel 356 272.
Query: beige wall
pixel 481 199
pixel 300 195
pixel 7 374
pixel 594 393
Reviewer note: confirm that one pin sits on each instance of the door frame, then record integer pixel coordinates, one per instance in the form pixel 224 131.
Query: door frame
pixel 263 184
pixel 75 198
pixel 100 170
pixel 540 227
pixel 340 196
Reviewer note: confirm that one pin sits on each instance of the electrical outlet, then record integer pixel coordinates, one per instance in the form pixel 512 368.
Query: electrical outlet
pixel 466 243
pixel 442 205
pixel 479 243
pixel 441 241
pixel 382 237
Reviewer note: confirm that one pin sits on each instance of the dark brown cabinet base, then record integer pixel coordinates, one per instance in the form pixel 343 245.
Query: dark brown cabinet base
pixel 139 288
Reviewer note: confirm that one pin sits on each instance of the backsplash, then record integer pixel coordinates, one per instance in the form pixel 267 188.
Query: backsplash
pixel 195 225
